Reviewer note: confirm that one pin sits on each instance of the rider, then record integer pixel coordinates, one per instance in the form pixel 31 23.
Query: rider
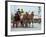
pixel 22 11
pixel 17 16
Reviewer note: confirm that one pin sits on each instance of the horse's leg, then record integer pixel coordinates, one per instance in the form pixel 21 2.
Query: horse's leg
pixel 29 24
pixel 13 24
pixel 22 24
pixel 32 23
pixel 26 25
pixel 16 24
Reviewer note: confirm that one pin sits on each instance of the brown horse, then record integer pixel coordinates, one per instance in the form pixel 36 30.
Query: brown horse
pixel 16 20
pixel 27 19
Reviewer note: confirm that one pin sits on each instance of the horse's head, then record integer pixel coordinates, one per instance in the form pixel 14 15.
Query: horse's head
pixel 32 13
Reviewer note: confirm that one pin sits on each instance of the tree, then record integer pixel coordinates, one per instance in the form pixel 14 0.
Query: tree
pixel 12 17
pixel 39 10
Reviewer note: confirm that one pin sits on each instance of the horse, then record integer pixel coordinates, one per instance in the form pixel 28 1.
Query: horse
pixel 16 20
pixel 27 19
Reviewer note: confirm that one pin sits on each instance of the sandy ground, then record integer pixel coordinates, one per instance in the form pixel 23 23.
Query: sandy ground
pixel 36 26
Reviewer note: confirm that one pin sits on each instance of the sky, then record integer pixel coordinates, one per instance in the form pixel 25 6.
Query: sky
pixel 29 9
